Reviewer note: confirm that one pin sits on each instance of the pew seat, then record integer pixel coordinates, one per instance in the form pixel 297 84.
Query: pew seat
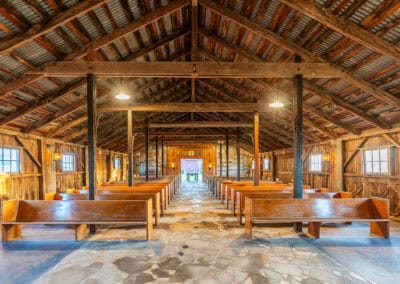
pixel 78 213
pixel 260 194
pixel 155 197
pixel 317 210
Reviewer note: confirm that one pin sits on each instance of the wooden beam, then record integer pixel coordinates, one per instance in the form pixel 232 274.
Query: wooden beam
pixel 162 156
pixel 129 28
pixel 187 69
pixel 101 42
pixel 157 157
pixel 63 91
pixel 92 133
pixel 362 142
pixel 308 86
pixel 28 152
pixel 256 149
pixel 220 158
pixel 392 140
pixel 298 141
pixel 227 154
pixel 187 107
pixel 198 124
pixel 346 28
pixel 147 153
pixel 75 134
pixel 130 148
pixel 238 154
pixel 307 55
pixel 40 29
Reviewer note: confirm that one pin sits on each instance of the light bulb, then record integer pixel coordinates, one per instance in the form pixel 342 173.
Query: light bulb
pixel 122 96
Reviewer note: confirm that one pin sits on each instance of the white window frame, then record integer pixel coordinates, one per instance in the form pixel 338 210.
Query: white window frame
pixel 267 165
pixel 16 161
pixel 376 165
pixel 117 165
pixel 316 163
pixel 68 166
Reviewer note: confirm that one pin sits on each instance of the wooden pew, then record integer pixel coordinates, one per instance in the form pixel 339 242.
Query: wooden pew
pixel 262 187
pixel 284 194
pixel 155 197
pixel 229 189
pixel 317 210
pixel 74 212
pixel 151 189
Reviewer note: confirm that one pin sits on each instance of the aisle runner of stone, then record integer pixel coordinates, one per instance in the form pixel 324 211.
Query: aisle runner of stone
pixel 198 241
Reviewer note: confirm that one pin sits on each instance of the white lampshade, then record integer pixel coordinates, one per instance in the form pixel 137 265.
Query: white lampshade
pixel 122 96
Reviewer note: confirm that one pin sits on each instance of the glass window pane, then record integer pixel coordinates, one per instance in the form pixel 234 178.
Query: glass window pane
pixel 375 155
pixel 368 167
pixel 368 156
pixel 375 167
pixel 384 154
pixel 7 154
pixel 384 167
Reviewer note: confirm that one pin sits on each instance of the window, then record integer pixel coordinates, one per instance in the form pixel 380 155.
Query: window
pixel 9 160
pixel 266 164
pixel 117 164
pixel 316 163
pixel 68 162
pixel 376 161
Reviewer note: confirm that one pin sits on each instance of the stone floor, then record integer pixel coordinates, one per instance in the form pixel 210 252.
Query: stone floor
pixel 198 241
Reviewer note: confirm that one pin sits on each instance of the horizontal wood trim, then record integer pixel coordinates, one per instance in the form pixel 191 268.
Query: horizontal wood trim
pixel 187 69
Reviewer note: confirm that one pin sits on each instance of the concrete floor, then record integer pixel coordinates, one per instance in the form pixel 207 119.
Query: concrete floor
pixel 198 241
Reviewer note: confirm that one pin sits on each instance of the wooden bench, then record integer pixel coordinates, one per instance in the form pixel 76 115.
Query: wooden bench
pixel 161 191
pixel 155 197
pixel 315 211
pixel 74 212
pixel 261 194
pixel 237 190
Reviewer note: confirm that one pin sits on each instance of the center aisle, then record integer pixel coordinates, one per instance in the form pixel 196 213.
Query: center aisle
pixel 198 241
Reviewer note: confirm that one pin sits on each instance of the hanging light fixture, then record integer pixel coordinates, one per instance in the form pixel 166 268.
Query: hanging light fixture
pixel 122 96
pixel 57 153
pixel 276 103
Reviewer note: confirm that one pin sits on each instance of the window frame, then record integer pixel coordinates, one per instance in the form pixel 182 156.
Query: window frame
pixel 63 163
pixel 312 163
pixel 119 164
pixel 18 160
pixel 269 164
pixel 379 161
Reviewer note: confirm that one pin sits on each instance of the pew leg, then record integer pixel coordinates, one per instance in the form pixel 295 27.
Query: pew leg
pixel 10 232
pixel 380 229
pixel 248 228
pixel 314 229
pixel 80 232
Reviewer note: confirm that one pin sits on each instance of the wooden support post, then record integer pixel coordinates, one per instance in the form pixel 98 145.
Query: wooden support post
pixel 147 153
pixel 237 154
pixel 109 166
pixel 273 166
pixel 130 148
pixel 337 166
pixel 298 141
pixel 227 155
pixel 220 158
pixel 42 178
pixel 256 149
pixel 92 137
pixel 156 156
pixel 162 156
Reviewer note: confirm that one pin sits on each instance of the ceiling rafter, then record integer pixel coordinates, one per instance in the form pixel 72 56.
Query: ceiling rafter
pixel 304 53
pixel 346 28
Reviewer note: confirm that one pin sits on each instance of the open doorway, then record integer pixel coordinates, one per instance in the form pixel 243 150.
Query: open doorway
pixel 192 170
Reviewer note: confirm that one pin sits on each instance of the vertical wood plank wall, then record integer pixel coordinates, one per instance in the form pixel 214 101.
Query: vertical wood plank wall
pixel 26 184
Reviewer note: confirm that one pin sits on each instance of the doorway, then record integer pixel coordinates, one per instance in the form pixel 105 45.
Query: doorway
pixel 192 170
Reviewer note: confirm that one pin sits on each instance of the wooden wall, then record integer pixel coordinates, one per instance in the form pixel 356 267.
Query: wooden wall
pixel 349 178
pixel 41 173
pixel 363 185
pixel 24 185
